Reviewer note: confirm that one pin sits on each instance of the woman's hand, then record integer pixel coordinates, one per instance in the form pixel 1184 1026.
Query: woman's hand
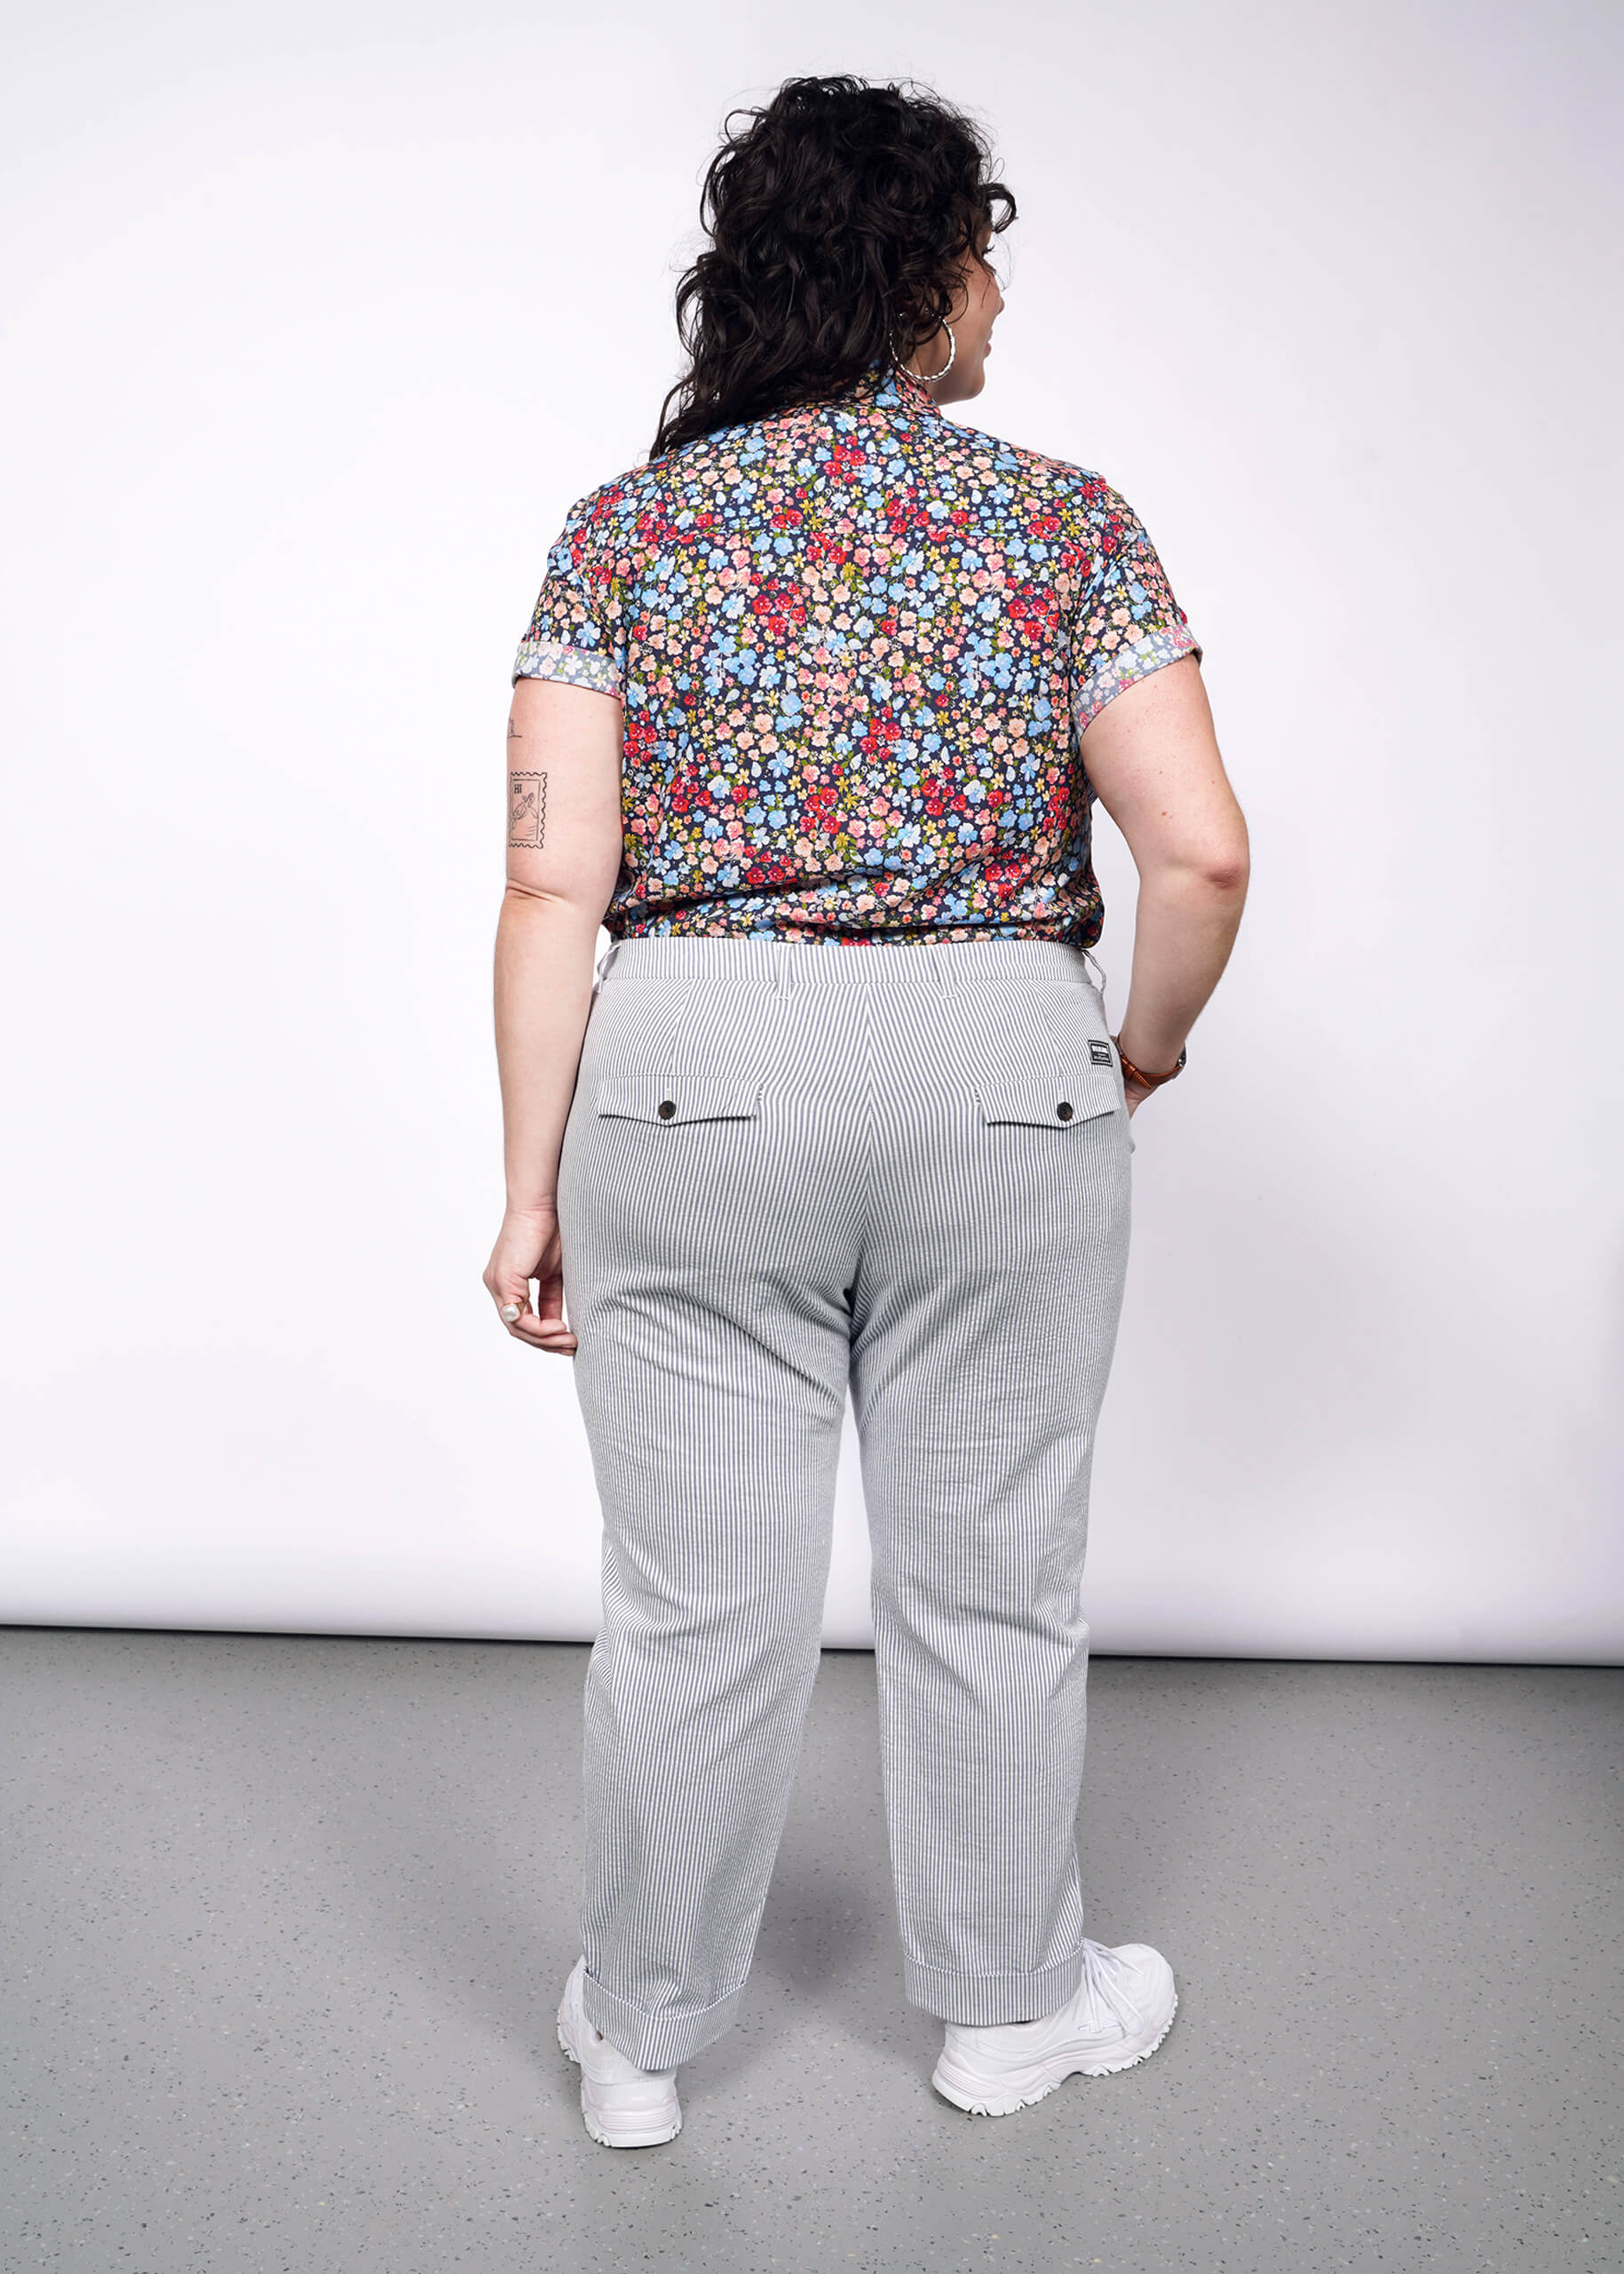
pixel 1135 1094
pixel 527 1248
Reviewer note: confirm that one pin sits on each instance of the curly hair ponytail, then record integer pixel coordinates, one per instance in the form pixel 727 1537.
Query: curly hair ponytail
pixel 839 216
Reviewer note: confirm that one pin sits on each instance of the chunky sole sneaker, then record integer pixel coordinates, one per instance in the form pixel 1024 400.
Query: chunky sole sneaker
pixel 622 2106
pixel 1123 2008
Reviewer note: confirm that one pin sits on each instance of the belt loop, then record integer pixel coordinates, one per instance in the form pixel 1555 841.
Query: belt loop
pixel 778 965
pixel 604 962
pixel 941 954
pixel 1100 982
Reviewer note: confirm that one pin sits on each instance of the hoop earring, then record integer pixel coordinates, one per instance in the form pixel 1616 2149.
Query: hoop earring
pixel 929 378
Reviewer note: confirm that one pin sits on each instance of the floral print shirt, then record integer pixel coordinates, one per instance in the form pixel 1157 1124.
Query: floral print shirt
pixel 856 645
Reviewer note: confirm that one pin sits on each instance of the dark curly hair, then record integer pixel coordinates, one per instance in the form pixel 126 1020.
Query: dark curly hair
pixel 839 215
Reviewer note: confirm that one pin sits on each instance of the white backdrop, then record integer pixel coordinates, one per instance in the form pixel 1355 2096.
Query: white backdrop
pixel 326 313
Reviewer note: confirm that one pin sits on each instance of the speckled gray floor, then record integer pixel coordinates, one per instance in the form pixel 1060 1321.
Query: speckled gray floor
pixel 286 1919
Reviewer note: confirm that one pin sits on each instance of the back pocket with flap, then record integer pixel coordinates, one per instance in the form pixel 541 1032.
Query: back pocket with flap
pixel 668 1099
pixel 1054 1097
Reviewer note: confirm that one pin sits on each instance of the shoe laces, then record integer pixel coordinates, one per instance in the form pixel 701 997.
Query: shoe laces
pixel 1105 1979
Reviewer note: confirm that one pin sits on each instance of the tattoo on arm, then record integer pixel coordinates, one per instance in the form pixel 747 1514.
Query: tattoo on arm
pixel 526 810
pixel 513 733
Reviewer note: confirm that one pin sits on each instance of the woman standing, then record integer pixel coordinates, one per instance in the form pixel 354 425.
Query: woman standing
pixel 810 716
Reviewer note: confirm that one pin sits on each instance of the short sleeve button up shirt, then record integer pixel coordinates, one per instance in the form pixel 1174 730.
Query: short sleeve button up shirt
pixel 856 645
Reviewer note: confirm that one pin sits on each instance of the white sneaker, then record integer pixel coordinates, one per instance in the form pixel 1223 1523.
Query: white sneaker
pixel 623 2106
pixel 1123 2008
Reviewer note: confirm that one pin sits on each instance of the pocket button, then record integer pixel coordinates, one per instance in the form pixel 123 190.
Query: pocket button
pixel 666 1108
pixel 1064 1109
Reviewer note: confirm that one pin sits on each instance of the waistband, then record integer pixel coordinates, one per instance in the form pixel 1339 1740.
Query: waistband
pixel 786 964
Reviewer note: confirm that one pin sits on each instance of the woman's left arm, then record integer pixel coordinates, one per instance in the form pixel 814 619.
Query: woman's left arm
pixel 564 859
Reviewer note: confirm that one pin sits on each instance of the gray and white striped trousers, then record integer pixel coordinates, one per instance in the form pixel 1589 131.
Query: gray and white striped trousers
pixel 790 1167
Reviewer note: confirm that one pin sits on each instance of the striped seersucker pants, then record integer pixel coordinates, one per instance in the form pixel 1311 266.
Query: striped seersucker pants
pixel 790 1167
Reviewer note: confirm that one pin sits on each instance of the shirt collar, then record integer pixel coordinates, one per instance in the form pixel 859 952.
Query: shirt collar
pixel 890 388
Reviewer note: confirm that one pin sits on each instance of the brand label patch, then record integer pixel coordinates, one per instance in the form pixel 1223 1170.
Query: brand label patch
pixel 1099 1053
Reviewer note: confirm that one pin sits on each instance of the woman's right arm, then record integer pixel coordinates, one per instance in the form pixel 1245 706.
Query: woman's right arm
pixel 1153 755
pixel 564 858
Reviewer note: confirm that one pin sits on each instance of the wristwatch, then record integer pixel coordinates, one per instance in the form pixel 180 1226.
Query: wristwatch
pixel 1130 1072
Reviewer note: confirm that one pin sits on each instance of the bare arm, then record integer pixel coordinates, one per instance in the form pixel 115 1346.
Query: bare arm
pixel 564 857
pixel 1153 757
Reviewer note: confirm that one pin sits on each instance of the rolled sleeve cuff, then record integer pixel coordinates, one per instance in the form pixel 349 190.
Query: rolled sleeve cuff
pixel 581 667
pixel 1142 653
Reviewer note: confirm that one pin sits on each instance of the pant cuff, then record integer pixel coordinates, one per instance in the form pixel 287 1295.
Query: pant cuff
pixel 659 2041
pixel 984 2000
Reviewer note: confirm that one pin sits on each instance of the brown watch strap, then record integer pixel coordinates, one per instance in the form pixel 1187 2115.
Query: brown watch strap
pixel 1130 1072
